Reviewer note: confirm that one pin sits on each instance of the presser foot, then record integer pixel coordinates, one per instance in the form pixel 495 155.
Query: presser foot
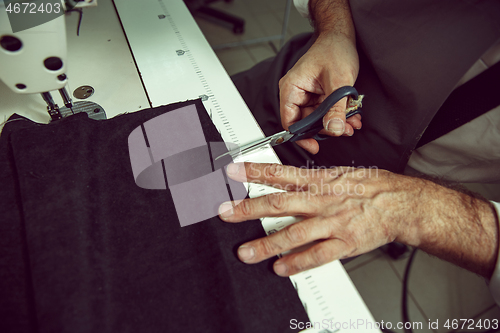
pixel 93 110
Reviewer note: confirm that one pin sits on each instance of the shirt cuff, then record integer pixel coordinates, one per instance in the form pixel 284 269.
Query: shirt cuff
pixel 495 278
pixel 302 7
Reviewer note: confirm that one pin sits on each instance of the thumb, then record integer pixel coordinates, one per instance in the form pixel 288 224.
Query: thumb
pixel 334 120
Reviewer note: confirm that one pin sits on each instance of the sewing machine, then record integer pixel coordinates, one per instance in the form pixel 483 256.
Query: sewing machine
pixel 76 79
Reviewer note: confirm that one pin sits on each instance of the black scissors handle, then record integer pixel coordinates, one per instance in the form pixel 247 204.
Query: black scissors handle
pixel 311 125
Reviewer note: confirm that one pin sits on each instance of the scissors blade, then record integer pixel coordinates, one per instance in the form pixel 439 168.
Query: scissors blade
pixel 273 140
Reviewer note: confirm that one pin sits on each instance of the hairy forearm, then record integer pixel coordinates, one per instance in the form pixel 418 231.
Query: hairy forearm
pixel 454 226
pixel 332 17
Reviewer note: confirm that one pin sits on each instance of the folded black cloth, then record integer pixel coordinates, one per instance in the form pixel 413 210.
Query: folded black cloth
pixel 84 249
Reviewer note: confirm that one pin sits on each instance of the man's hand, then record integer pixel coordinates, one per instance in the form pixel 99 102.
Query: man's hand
pixel 331 62
pixel 349 211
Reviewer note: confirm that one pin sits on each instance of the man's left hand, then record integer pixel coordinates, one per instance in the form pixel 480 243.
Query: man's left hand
pixel 348 211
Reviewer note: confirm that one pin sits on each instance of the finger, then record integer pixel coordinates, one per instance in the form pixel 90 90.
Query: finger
pixel 282 176
pixel 307 110
pixel 310 145
pixel 317 255
pixel 286 239
pixel 334 121
pixel 291 98
pixel 354 121
pixel 271 205
pixel 349 131
pixel 295 92
pixel 351 124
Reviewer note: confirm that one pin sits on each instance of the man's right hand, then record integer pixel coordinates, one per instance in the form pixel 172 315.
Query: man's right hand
pixel 331 62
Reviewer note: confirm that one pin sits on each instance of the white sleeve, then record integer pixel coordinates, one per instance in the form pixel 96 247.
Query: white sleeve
pixel 302 7
pixel 495 278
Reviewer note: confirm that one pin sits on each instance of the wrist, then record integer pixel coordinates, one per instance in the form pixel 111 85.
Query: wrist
pixel 452 225
pixel 335 40
pixel 409 224
pixel 332 17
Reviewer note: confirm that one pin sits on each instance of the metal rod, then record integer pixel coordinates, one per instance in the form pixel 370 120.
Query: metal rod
pixel 47 97
pixel 67 99
pixel 285 22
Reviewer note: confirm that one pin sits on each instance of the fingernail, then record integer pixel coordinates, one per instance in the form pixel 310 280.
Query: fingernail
pixel 233 168
pixel 226 210
pixel 246 253
pixel 336 126
pixel 280 268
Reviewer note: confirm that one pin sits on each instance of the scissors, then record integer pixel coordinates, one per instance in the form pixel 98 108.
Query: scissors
pixel 308 127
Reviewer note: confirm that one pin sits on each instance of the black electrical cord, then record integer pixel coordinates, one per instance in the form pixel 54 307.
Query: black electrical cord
pixel 404 301
pixel 79 11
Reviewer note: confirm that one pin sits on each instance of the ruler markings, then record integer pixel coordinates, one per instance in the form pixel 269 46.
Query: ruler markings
pixel 203 80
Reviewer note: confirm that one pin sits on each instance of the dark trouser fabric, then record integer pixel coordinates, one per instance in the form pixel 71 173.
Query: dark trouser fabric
pixel 84 249
pixel 412 54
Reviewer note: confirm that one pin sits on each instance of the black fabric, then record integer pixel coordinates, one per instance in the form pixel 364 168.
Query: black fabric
pixel 17 309
pixel 84 249
pixel 412 54
pixel 467 102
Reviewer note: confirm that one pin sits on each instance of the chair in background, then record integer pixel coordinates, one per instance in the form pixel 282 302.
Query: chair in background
pixel 202 8
pixel 198 7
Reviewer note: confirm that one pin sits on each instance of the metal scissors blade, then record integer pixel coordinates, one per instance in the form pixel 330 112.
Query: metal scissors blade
pixel 308 127
pixel 273 140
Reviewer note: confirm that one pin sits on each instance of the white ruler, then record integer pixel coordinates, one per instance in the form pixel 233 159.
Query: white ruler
pixel 176 63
